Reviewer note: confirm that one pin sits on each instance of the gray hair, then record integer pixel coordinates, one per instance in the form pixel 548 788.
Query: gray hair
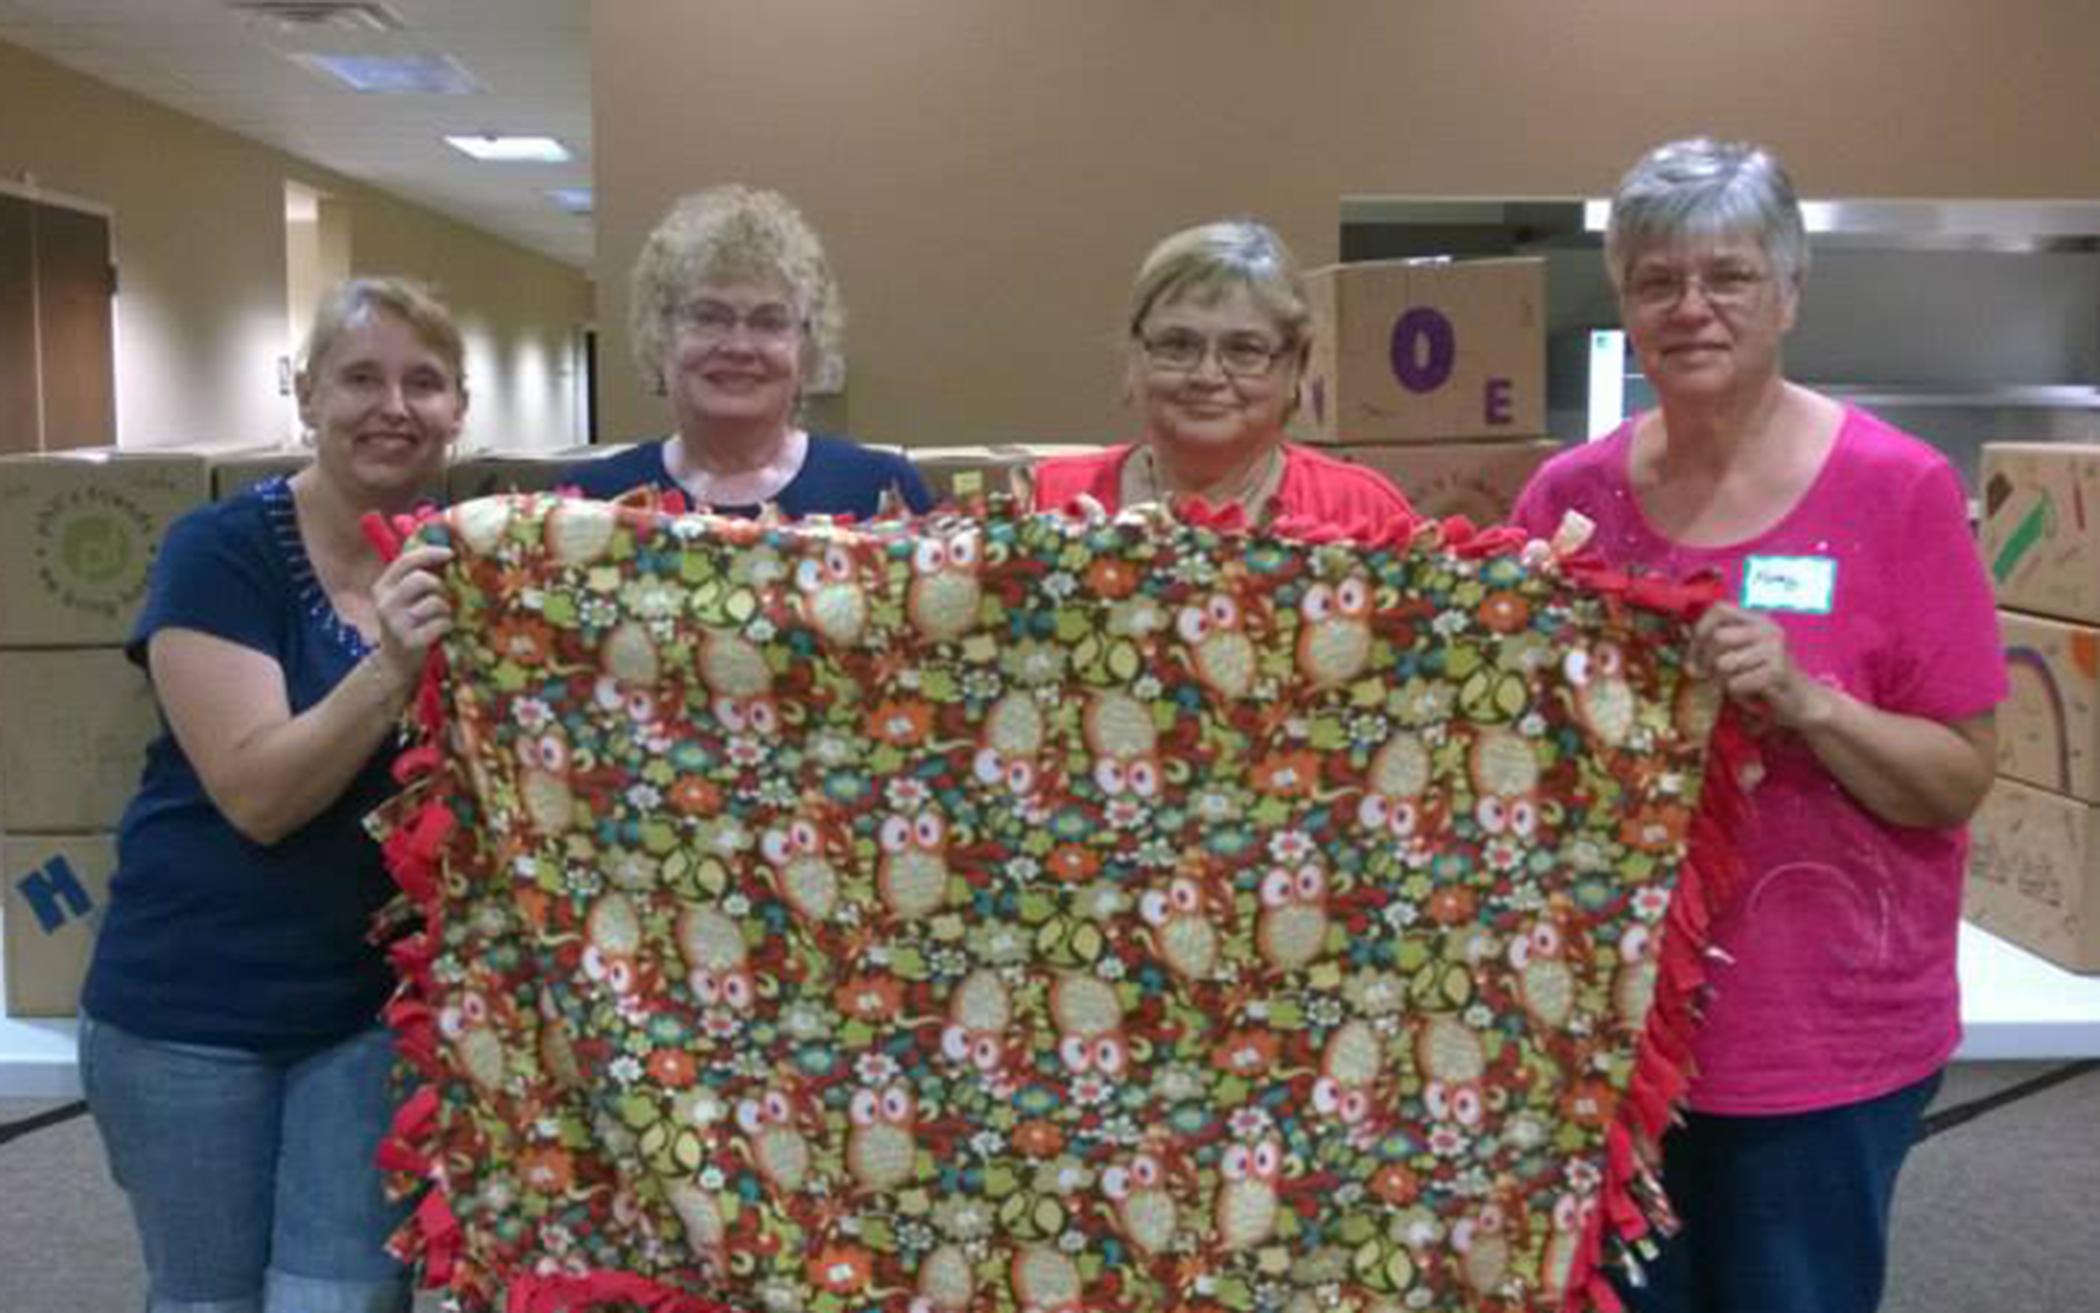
pixel 730 234
pixel 1210 259
pixel 1699 187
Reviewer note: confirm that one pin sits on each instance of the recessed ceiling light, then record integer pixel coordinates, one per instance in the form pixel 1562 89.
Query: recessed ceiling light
pixel 397 75
pixel 303 16
pixel 576 200
pixel 510 150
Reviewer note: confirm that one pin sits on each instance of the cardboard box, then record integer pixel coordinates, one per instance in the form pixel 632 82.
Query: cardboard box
pixel 78 532
pixel 56 888
pixel 960 473
pixel 2032 873
pixel 2041 527
pixel 74 725
pixel 233 472
pixel 493 472
pixel 1414 351
pixel 2049 725
pixel 1479 480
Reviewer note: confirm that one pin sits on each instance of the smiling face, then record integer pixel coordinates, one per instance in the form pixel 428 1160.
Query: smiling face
pixel 383 405
pixel 734 356
pixel 1204 408
pixel 1706 316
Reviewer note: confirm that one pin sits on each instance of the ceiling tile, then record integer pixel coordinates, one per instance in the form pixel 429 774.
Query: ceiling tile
pixel 203 59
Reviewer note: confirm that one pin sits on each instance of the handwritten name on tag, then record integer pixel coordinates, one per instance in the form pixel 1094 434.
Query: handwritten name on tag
pixel 1806 584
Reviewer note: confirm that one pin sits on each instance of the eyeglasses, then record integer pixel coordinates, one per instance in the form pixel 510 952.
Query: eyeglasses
pixel 712 323
pixel 1242 355
pixel 1726 287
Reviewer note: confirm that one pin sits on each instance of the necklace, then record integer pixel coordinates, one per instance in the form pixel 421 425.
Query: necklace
pixel 1252 492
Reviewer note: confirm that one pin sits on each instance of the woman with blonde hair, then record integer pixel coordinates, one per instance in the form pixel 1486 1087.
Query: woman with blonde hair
pixel 733 306
pixel 1219 335
pixel 230 1043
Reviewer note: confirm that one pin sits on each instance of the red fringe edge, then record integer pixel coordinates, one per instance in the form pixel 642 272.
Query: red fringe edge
pixel 424 828
pixel 1631 1203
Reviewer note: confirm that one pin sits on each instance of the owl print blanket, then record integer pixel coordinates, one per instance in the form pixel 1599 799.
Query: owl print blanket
pixel 1037 913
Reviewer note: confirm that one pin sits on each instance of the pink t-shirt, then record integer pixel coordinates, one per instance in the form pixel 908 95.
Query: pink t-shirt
pixel 1842 986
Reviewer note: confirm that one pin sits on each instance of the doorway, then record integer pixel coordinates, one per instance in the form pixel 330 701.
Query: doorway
pixel 58 289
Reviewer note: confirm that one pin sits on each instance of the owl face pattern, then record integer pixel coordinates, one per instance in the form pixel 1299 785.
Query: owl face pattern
pixel 832 597
pixel 1125 744
pixel 807 881
pixel 1182 932
pixel 945 591
pixel 1334 631
pixel 975 1037
pixel 881 1150
pixel 1453 1063
pixel 1603 696
pixel 1089 1021
pixel 1545 980
pixel 1012 740
pixel 1292 929
pixel 1392 802
pixel 717 963
pixel 1220 652
pixel 914 875
pixel 1144 1209
pixel 1506 782
pixel 773 1130
pixel 1247 1199
pixel 1346 1091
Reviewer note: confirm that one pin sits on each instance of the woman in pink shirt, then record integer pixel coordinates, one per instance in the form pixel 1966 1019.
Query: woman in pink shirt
pixel 1862 644
pixel 1219 334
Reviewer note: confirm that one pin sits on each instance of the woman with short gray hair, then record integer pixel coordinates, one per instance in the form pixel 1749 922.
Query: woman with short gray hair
pixel 1860 645
pixel 1219 335
pixel 732 308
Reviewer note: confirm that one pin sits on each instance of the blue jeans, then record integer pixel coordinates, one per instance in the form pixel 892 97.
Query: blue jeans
pixel 251 1175
pixel 1785 1214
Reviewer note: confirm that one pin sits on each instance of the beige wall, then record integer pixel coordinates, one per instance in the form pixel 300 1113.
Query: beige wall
pixel 201 252
pixel 987 173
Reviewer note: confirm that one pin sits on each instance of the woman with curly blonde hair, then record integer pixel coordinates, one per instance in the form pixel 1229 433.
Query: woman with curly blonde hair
pixel 733 307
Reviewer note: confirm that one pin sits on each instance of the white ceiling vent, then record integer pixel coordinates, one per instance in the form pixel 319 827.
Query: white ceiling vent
pixel 318 16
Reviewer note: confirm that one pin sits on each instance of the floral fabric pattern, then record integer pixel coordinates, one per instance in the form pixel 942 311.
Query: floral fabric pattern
pixel 1038 913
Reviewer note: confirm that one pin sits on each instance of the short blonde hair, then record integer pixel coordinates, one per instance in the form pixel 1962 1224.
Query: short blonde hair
pixel 726 234
pixel 1210 259
pixel 416 304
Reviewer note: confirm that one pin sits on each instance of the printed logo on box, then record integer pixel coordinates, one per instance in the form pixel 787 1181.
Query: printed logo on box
pixel 54 892
pixel 1424 355
pixel 90 550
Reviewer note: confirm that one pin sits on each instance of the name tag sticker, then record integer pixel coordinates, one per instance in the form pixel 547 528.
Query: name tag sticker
pixel 1807 584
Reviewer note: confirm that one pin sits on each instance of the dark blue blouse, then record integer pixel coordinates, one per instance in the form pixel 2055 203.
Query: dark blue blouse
pixel 210 938
pixel 837 478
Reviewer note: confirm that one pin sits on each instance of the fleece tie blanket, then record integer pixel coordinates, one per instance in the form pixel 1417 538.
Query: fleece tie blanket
pixel 1044 913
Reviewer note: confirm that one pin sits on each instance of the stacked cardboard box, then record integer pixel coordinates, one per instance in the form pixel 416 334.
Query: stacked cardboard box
pixel 2034 863
pixel 232 472
pixel 959 474
pixel 488 473
pixel 78 533
pixel 1433 373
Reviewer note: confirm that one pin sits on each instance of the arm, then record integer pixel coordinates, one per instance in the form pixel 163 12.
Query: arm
pixel 912 485
pixel 1907 770
pixel 268 771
